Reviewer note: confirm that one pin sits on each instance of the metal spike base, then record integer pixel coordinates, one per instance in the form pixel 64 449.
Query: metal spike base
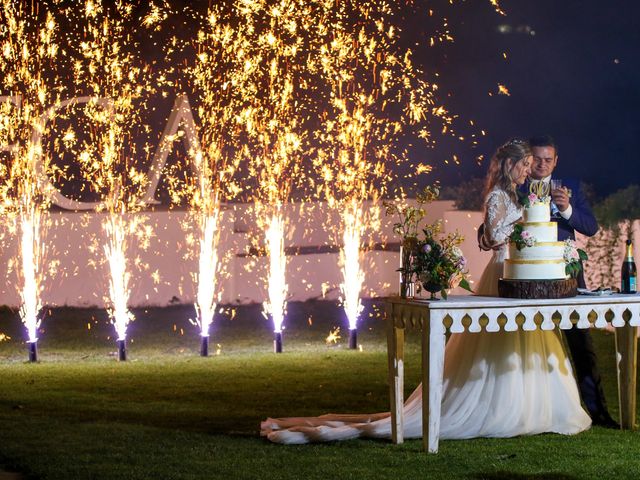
pixel 204 346
pixel 277 342
pixel 122 350
pixel 33 351
pixel 353 339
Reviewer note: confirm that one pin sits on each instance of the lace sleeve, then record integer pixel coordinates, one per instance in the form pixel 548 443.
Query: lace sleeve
pixel 500 215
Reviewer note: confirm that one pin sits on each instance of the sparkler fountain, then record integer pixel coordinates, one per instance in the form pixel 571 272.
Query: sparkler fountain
pixel 373 95
pixel 272 119
pixel 115 252
pixel 276 305
pixel 30 218
pixel 346 57
pixel 348 184
pixel 218 77
pixel 29 71
pixel 206 278
pixel 107 162
pixel 352 273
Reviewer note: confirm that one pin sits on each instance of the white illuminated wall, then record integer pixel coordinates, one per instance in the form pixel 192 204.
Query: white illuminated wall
pixel 161 273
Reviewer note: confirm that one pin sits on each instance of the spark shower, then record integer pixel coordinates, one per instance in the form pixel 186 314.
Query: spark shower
pixel 293 95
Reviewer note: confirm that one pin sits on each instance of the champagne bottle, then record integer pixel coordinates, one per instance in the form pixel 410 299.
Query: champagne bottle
pixel 629 272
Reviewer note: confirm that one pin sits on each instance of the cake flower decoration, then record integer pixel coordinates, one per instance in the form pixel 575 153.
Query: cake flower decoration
pixel 521 237
pixel 573 258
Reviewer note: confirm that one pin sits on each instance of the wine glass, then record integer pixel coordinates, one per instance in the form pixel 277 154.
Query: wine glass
pixel 555 184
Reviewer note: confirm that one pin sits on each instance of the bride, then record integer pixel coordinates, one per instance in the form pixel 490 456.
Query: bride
pixel 501 384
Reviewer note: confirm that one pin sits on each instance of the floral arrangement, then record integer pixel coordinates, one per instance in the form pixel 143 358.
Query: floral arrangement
pixel 521 237
pixel 407 227
pixel 438 263
pixel 432 259
pixel 573 258
pixel 410 217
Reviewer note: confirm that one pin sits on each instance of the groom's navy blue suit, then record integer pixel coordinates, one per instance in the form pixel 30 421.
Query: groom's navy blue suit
pixel 579 340
pixel 581 220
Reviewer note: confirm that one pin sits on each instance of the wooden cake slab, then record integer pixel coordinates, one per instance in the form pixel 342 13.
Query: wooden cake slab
pixel 537 289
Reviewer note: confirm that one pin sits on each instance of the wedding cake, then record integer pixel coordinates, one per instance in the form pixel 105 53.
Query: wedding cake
pixel 538 262
pixel 537 254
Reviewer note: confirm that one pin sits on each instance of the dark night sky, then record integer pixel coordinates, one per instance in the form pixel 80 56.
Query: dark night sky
pixel 576 79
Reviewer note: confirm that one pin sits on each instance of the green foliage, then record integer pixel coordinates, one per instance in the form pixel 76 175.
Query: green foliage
pixel 574 258
pixel 467 195
pixel 621 206
pixel 521 238
pixel 516 236
pixel 616 215
pixel 464 283
pixel 573 269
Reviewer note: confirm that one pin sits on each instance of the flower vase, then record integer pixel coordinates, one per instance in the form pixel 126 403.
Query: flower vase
pixel 407 288
pixel 433 289
pixel 406 275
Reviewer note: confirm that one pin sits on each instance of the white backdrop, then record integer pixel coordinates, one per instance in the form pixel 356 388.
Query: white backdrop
pixel 161 274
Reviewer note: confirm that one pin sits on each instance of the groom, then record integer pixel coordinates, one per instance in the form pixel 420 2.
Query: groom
pixel 571 211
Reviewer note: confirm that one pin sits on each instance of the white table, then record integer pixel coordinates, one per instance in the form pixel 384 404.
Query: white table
pixel 492 314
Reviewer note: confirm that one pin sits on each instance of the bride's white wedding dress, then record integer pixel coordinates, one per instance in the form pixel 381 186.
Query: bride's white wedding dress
pixel 501 384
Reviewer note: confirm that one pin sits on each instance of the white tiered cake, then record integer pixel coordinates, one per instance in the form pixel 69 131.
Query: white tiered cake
pixel 544 258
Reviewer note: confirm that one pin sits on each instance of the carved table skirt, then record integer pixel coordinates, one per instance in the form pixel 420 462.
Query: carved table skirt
pixel 491 314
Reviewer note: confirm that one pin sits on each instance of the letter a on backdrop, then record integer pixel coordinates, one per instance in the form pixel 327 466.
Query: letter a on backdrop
pixel 180 117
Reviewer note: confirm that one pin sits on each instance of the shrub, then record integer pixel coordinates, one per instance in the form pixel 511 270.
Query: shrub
pixel 467 195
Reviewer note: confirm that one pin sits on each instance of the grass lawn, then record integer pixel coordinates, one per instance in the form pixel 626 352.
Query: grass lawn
pixel 167 413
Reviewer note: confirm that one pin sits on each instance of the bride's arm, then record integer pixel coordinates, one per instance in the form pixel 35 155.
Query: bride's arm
pixel 498 223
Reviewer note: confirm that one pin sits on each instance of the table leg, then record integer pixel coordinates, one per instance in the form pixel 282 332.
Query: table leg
pixel 395 356
pixel 627 354
pixel 433 342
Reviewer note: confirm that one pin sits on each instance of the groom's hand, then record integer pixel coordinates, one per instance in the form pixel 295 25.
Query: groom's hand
pixel 561 197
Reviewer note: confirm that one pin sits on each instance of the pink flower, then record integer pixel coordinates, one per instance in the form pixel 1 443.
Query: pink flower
pixel 455 279
pixel 533 198
pixel 571 252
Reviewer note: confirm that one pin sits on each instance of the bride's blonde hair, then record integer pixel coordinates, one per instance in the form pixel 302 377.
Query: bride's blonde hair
pixel 499 175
